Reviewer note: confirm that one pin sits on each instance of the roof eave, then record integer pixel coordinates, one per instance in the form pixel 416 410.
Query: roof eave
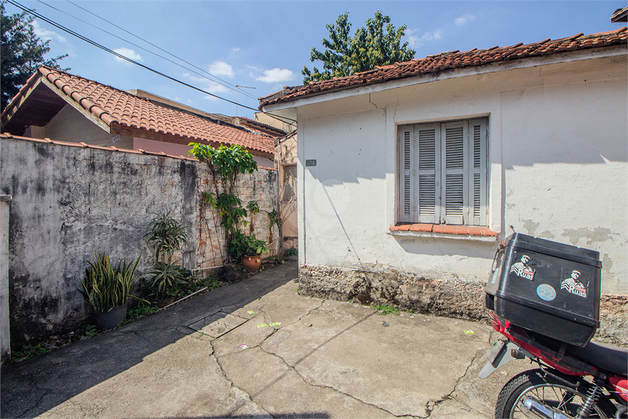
pixel 318 97
pixel 21 96
pixel 87 111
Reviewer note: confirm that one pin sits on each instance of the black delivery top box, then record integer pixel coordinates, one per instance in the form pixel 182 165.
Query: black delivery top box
pixel 547 287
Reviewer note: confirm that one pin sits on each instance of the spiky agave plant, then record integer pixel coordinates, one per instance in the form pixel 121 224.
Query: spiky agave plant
pixel 106 287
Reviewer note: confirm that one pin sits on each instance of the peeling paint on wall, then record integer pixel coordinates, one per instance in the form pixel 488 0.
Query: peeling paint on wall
pixel 546 235
pixel 607 263
pixel 596 235
pixel 530 226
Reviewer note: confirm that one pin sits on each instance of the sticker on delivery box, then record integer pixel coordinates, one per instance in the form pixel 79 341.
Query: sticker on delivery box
pixel 546 292
pixel 522 269
pixel 573 286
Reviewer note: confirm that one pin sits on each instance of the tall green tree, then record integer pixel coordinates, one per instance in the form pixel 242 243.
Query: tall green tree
pixel 22 52
pixel 377 43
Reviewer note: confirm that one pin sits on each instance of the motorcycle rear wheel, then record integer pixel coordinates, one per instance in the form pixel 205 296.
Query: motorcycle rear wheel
pixel 550 392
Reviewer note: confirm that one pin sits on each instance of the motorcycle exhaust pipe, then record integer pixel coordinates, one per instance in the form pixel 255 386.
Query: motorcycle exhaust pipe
pixel 532 406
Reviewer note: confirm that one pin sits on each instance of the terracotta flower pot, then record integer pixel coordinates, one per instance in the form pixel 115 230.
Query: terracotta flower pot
pixel 251 263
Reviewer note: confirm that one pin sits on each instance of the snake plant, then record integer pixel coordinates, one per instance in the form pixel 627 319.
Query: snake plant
pixel 106 287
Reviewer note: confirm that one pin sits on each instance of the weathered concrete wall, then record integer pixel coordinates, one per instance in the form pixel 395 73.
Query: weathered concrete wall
pixel 5 335
pixel 446 297
pixel 69 202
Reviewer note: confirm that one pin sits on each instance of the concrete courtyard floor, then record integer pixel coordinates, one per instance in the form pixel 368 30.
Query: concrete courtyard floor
pixel 257 349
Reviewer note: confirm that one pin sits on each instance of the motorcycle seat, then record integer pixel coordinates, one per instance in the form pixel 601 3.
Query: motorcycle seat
pixel 606 357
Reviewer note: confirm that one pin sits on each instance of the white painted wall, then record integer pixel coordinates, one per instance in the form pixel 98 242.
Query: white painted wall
pixel 558 153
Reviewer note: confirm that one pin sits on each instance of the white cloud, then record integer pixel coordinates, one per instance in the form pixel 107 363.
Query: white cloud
pixel 235 49
pixel 276 75
pixel 464 19
pixel 45 34
pixel 221 68
pixel 129 53
pixel 416 41
pixel 207 85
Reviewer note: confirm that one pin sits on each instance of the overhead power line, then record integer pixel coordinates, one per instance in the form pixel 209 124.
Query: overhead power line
pixel 125 58
pixel 224 82
pixel 213 78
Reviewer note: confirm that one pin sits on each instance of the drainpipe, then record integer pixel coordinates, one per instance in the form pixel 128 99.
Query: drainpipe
pixel 5 331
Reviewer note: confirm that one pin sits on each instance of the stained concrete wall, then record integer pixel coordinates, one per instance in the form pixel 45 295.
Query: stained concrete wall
pixel 71 201
pixel 5 335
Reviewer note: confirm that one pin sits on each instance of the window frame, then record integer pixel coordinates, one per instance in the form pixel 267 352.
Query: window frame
pixel 443 172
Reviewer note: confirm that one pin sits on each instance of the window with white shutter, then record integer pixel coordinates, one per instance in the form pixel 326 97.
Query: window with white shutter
pixel 443 173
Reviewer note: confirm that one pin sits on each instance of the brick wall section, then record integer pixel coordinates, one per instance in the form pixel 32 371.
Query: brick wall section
pixel 441 297
pixel 70 201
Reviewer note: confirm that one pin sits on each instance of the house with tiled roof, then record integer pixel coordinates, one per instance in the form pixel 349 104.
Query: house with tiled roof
pixel 64 107
pixel 411 174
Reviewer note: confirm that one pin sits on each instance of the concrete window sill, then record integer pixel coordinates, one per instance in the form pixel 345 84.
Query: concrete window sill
pixel 444 231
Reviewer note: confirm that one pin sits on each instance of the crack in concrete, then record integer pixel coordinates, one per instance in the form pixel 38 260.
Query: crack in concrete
pixel 263 314
pixel 25 413
pixel 308 382
pixel 305 379
pixel 223 373
pixel 449 396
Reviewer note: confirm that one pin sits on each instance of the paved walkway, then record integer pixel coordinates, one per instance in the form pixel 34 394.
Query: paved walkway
pixel 256 349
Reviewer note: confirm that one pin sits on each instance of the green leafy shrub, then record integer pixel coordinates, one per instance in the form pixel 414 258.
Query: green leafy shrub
pixel 243 245
pixel 143 309
pixel 225 164
pixel 167 278
pixel 166 235
pixel 291 252
pixel 106 287
pixel 28 352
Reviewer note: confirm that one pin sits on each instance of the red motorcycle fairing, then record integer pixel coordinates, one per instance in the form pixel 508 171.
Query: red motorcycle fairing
pixel 621 385
pixel 565 365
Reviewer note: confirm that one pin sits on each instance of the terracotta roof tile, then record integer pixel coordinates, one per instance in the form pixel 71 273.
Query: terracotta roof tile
pixel 449 61
pixel 115 106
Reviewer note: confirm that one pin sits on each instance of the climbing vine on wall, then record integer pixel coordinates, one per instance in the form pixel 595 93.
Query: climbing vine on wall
pixel 225 165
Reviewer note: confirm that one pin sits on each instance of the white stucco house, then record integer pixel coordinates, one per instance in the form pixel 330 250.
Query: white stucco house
pixel 411 174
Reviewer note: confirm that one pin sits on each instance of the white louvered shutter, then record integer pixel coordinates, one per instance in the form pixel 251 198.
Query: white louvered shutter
pixel 443 176
pixel 454 173
pixel 406 190
pixel 428 179
pixel 478 184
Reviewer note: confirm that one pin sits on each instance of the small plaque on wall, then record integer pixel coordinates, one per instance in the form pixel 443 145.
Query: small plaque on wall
pixel 310 162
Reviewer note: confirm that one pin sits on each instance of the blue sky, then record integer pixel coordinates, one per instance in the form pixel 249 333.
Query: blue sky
pixel 265 44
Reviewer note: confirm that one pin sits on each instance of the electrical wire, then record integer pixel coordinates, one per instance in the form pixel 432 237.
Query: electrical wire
pixel 217 80
pixel 226 83
pixel 110 51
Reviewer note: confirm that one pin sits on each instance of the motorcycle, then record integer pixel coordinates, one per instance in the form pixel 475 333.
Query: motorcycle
pixel 575 378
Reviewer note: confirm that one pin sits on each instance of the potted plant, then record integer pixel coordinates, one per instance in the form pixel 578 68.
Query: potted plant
pixel 107 288
pixel 247 249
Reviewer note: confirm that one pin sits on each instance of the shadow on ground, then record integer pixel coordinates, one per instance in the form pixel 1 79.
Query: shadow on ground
pixel 35 386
